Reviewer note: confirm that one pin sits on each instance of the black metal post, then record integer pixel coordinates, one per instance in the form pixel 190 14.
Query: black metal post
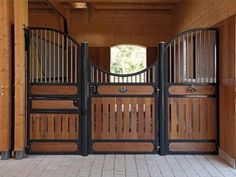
pixel 84 100
pixel 162 98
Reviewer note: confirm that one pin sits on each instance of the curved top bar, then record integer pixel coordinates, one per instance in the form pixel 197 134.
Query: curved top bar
pixel 125 75
pixel 55 30
pixel 188 31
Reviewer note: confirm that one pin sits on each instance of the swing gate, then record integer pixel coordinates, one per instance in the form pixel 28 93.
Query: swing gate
pixel 76 107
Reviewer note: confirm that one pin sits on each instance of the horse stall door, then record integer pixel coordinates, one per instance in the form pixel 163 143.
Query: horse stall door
pixel 192 92
pixel 52 92
pixel 123 111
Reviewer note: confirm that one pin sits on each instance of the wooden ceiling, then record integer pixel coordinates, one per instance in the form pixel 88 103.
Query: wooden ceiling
pixel 109 4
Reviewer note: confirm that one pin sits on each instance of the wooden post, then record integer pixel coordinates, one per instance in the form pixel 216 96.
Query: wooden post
pixel 5 78
pixel 20 20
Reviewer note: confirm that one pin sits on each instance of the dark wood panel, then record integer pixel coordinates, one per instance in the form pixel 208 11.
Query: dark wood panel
pixel 137 90
pixel 123 118
pixel 54 147
pixel 53 104
pixel 192 118
pixel 54 90
pixel 54 126
pixel 192 147
pixel 200 90
pixel 123 147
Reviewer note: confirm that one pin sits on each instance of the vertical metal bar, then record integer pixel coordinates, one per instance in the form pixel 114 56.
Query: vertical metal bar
pixel 50 56
pixel 191 56
pixel 58 57
pixel 41 56
pixel 75 58
pixel 67 60
pixel 63 56
pixel 45 56
pixel 71 62
pixel 84 99
pixel 170 62
pixel 37 59
pixel 187 57
pixel 162 106
pixel 31 57
pixel 179 65
pixel 54 57
pixel 175 73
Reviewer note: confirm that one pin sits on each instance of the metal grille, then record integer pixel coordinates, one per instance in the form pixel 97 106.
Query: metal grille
pixel 147 75
pixel 192 57
pixel 53 57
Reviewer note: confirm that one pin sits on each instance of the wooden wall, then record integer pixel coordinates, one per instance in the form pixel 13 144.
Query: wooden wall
pixel 201 13
pixel 228 85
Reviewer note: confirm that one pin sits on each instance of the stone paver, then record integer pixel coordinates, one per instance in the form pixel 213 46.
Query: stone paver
pixel 130 165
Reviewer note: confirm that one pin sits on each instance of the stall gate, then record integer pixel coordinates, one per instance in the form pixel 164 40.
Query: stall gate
pixel 76 107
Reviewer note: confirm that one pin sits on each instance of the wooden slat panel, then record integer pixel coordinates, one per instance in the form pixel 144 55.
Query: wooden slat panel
pixel 192 118
pixel 111 89
pixel 123 147
pixel 54 147
pixel 203 90
pixel 53 104
pixel 54 126
pixel 127 118
pixel 194 147
pixel 53 90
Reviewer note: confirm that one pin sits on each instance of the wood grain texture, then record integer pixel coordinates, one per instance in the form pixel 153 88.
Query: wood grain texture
pixel 54 126
pixel 132 90
pixel 193 147
pixel 123 147
pixel 54 147
pixel 228 85
pixel 53 104
pixel 53 90
pixel 123 118
pixel 20 7
pixel 5 74
pixel 192 118
pixel 200 90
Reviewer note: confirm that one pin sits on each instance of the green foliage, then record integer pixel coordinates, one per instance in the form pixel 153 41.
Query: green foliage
pixel 127 59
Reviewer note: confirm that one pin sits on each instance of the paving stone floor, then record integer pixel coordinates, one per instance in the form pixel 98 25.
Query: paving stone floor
pixel 117 166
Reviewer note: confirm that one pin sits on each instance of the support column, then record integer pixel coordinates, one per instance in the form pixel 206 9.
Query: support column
pixel 5 78
pixel 20 20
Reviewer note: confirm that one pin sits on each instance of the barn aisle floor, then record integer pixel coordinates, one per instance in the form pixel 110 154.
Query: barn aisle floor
pixel 117 166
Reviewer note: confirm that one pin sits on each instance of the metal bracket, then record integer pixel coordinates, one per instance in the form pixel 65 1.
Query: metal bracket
pixel 156 148
pixel 123 89
pixel 94 89
pixel 191 89
pixel 76 102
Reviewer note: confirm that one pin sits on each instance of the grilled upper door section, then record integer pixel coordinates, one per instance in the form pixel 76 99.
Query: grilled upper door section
pixel 124 111
pixel 192 91
pixel 53 66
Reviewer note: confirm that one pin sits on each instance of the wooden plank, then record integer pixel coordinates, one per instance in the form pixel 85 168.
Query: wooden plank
pixel 5 74
pixel 54 147
pixel 54 90
pixel 195 147
pixel 123 147
pixel 20 7
pixel 134 90
pixel 200 90
pixel 53 104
